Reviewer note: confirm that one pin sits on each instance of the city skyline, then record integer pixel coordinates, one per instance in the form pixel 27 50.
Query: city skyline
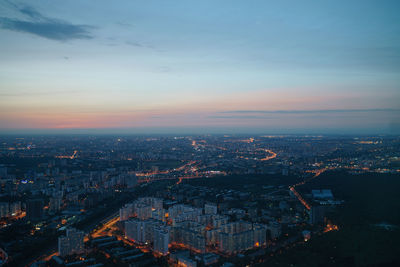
pixel 206 67
pixel 200 200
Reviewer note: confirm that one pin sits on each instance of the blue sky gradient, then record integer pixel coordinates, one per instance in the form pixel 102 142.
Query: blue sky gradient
pixel 195 64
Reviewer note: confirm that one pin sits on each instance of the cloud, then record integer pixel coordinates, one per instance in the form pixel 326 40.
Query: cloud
pixel 237 117
pixel 45 27
pixel 31 12
pixel 137 44
pixel 134 44
pixel 315 111
pixel 40 93
pixel 125 24
pixel 163 69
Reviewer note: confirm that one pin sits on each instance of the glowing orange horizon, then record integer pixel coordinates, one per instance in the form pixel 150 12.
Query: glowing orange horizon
pixel 191 112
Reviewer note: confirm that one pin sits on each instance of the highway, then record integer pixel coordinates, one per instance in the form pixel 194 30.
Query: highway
pixel 300 198
pixel 74 155
pixel 108 224
pixel 297 194
pixel 269 157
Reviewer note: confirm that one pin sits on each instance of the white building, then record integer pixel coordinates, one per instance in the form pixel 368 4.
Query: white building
pixel 141 231
pixel 212 236
pixel 237 242
pixel 237 236
pixel 134 230
pixel 143 211
pixel 155 203
pixel 180 213
pixel 126 212
pixel 219 220
pixel 158 214
pixel 161 240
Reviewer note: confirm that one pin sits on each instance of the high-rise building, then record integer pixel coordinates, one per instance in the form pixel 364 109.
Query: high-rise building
pixel 155 203
pixel 140 231
pixel 260 234
pixel 71 243
pixel 235 237
pixel 34 209
pixel 161 240
pixel 233 243
pixel 180 213
pixel 3 171
pixel 158 214
pixel 55 204
pixel 126 212
pixel 191 234
pixel 15 208
pixel 238 236
pixel 143 211
pixel 205 219
pixel 275 229
pixel 134 230
pixel 4 209
pixel 219 220
pixel 10 209
pixel 212 236
pixel 210 208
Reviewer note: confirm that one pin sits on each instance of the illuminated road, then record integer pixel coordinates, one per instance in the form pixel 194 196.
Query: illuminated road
pixel 188 168
pixel 4 223
pixel 300 198
pixel 47 258
pixel 20 216
pixel 179 180
pixel 74 155
pixel 297 194
pixel 147 174
pixel 316 174
pixel 97 233
pixel 69 157
pixel 101 231
pixel 174 178
pixel 107 230
pixel 272 156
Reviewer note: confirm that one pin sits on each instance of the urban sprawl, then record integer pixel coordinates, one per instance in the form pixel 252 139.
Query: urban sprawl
pixel 212 200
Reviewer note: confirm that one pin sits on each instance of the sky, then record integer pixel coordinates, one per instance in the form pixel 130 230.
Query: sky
pixel 200 66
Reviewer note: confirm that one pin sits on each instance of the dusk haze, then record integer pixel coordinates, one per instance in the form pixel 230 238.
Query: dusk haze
pixel 208 133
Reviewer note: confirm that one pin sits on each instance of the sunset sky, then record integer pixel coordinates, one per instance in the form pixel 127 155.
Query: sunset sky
pixel 206 66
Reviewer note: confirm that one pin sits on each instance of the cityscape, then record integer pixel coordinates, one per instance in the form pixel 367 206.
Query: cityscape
pixel 188 133
pixel 213 200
